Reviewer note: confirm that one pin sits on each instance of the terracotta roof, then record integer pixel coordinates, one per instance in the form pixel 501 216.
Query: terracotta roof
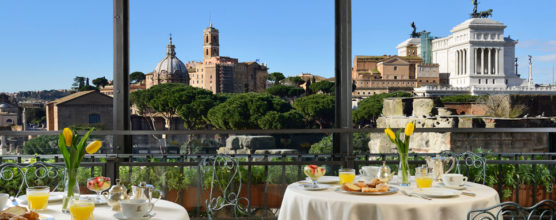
pixel 73 96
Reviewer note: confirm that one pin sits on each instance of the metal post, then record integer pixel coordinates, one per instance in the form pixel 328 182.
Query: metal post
pixel 343 141
pixel 121 111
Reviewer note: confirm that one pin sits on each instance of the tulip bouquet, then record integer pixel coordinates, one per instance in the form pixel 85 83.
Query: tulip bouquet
pixel 403 149
pixel 73 152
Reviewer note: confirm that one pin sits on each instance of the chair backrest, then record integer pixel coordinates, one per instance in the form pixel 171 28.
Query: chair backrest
pixel 39 171
pixel 511 210
pixel 224 184
pixel 470 159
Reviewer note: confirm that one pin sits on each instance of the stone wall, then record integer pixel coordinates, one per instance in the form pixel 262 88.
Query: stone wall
pixel 477 109
pixel 246 144
pixel 425 113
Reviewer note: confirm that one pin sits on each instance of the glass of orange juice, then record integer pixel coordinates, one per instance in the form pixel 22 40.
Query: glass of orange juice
pixel 423 177
pixel 82 209
pixel 346 175
pixel 37 197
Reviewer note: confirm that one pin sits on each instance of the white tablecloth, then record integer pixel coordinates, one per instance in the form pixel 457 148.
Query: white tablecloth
pixel 332 205
pixel 165 210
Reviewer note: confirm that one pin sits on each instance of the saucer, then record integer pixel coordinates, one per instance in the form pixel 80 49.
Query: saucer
pixel 309 187
pixel 120 216
pixel 93 197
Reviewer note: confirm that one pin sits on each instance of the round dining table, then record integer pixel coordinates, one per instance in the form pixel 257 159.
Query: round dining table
pixel 331 204
pixel 164 210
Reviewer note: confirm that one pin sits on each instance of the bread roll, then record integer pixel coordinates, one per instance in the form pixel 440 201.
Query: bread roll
pixel 351 187
pixel 15 210
pixel 361 183
pixel 382 187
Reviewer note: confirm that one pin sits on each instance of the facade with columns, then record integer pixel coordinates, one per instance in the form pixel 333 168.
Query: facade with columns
pixel 476 54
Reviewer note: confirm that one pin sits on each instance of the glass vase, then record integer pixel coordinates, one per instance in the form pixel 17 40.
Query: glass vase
pixel 403 170
pixel 71 188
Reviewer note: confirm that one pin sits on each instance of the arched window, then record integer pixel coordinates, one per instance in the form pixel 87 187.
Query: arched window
pixel 9 120
pixel 94 118
pixel 206 52
pixel 206 39
pixel 395 68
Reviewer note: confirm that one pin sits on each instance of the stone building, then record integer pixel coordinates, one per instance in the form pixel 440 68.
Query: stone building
pixel 168 70
pixel 476 54
pixel 221 74
pixel 87 108
pixel 381 74
pixel 8 114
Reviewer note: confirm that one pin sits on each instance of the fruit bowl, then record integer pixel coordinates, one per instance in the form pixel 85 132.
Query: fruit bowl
pixel 314 172
pixel 98 184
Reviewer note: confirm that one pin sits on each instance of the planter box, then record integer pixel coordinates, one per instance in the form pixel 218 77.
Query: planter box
pixel 190 196
pixel 275 195
pixel 526 194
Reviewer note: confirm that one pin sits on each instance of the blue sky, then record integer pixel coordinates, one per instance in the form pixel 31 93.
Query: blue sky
pixel 44 44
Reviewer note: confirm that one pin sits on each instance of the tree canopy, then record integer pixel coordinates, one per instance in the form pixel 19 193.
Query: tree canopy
pixel 170 99
pixel 41 145
pixel 100 82
pixel 324 86
pixel 276 77
pixel 294 80
pixel 285 91
pixel 370 108
pixel 317 108
pixel 247 110
pixel 196 103
pixel 360 144
pixel 136 77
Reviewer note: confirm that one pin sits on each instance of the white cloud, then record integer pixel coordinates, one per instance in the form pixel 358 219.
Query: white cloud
pixel 537 45
pixel 547 58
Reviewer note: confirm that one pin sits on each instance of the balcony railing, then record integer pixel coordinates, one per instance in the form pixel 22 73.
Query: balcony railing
pixel 179 176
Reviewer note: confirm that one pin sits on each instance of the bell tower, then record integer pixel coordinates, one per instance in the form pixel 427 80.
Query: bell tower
pixel 210 42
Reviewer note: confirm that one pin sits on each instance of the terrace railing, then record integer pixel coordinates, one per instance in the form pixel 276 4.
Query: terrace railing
pixel 179 176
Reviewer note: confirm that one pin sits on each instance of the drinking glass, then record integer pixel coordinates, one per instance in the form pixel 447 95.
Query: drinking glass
pixel 82 208
pixel 37 198
pixel 346 175
pixel 423 177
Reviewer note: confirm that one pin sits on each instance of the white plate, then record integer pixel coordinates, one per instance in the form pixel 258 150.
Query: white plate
pixel 309 187
pixel 102 201
pixel 437 192
pixel 53 197
pixel 46 217
pixel 120 216
pixel 326 179
pixel 452 187
pixel 391 190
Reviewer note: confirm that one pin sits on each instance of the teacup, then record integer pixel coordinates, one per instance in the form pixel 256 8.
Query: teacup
pixel 136 208
pixel 453 179
pixel 369 171
pixel 3 200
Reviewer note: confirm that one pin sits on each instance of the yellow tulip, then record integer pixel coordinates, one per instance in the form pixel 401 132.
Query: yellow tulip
pixel 390 134
pixel 68 136
pixel 93 147
pixel 409 129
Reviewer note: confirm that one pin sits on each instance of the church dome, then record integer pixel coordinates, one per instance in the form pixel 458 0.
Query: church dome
pixel 170 64
pixel 479 23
